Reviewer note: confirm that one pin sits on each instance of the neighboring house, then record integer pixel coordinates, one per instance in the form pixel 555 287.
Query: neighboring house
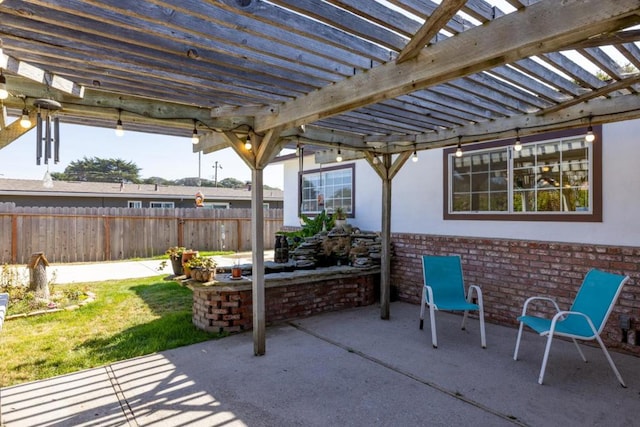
pixel 103 194
pixel 525 222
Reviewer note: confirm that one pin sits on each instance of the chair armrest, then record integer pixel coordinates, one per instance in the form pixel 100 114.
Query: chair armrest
pixel 429 294
pixel 478 291
pixel 532 299
pixel 561 315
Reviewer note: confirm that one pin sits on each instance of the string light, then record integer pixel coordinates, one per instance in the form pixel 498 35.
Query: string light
pixel 194 136
pixel 247 143
pixel 459 150
pixel 414 158
pixel 590 136
pixel 119 127
pixel 339 156
pixel 25 121
pixel 518 145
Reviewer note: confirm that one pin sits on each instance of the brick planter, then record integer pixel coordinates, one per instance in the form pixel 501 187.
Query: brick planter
pixel 226 305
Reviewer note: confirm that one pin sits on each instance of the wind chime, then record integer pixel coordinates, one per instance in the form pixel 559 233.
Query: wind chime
pixel 47 136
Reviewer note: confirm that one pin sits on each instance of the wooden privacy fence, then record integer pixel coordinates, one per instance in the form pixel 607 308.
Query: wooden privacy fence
pixel 101 234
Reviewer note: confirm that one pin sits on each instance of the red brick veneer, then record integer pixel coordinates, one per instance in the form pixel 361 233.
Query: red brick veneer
pixel 229 308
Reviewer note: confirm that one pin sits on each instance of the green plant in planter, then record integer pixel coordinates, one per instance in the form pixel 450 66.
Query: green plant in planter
pixel 175 256
pixel 202 269
pixel 339 214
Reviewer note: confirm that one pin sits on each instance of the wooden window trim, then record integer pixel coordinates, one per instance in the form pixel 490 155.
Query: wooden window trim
pixel 596 212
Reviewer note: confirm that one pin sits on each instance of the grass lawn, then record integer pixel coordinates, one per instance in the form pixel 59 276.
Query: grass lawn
pixel 129 318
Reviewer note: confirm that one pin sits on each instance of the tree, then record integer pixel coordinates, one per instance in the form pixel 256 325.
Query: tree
pixel 95 169
pixel 231 183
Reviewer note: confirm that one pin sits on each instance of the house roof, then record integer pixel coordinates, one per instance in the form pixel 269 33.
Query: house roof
pixel 24 187
pixel 366 77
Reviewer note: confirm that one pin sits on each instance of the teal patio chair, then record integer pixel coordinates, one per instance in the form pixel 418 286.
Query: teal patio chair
pixel 584 321
pixel 444 290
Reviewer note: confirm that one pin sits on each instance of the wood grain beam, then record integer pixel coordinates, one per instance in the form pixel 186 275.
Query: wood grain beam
pixel 537 29
pixel 436 21
pixel 612 87
pixel 37 74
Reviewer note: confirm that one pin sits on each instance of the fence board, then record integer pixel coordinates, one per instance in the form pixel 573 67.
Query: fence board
pixel 97 234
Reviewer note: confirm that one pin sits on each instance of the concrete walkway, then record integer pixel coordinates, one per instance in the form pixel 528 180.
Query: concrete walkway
pixel 116 270
pixel 347 368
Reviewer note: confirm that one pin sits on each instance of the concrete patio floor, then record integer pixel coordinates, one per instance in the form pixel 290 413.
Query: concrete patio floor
pixel 347 368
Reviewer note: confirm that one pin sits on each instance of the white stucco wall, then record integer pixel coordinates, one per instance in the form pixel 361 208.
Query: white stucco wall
pixel 417 198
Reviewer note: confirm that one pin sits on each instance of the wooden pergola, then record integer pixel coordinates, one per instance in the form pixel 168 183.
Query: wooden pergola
pixel 376 79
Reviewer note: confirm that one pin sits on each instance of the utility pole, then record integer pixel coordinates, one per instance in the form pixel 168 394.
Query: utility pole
pixel 215 176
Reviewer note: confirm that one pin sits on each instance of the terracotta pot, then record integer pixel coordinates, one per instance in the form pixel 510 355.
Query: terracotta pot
pixel 187 255
pixel 236 272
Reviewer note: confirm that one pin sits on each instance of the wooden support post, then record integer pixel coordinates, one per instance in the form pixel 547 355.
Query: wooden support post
pixel 257 246
pixel 385 267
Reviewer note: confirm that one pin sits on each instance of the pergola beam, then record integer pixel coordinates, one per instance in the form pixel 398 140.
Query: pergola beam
pixel 37 74
pixel 537 29
pixel 436 21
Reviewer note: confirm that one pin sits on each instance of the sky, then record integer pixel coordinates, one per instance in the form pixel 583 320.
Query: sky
pixel 168 157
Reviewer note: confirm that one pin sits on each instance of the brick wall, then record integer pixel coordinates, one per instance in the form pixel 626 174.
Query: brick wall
pixel 224 309
pixel 509 271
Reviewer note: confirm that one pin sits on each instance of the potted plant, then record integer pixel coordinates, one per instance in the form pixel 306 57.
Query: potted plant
pixel 187 254
pixel 340 217
pixel 175 257
pixel 202 269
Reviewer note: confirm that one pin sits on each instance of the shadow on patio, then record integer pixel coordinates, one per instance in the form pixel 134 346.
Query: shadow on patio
pixel 344 368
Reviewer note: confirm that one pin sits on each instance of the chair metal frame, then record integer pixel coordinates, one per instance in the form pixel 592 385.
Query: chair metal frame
pixel 456 300
pixel 558 325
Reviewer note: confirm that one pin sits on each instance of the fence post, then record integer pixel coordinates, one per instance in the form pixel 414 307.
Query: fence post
pixel 14 239
pixel 107 238
pixel 180 231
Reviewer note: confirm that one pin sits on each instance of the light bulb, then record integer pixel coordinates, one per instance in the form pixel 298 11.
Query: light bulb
pixel 376 160
pixel 590 136
pixel 247 144
pixel 47 180
pixel 459 152
pixel 518 145
pixel 194 137
pixel 3 87
pixel 414 158
pixel 339 156
pixel 25 122
pixel 119 128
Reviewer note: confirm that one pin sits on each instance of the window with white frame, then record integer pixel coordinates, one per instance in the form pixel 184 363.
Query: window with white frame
pixel 134 204
pixel 327 189
pixel 553 178
pixel 162 205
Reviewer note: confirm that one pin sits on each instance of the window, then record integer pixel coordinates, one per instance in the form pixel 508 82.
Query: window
pixel 327 189
pixel 134 204
pixel 162 205
pixel 215 205
pixel 553 177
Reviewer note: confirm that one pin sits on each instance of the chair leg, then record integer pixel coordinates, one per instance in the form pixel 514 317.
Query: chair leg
pixel 483 335
pixel 432 314
pixel 546 357
pixel 610 360
pixel 584 359
pixel 422 308
pixel 515 352
pixel 464 320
